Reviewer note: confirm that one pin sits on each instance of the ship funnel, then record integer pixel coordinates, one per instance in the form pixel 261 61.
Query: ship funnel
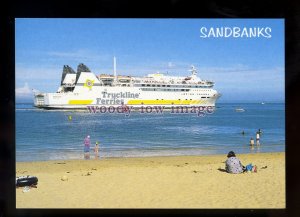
pixel 66 70
pixel 81 68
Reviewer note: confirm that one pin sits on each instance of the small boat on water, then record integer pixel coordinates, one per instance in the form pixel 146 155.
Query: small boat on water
pixel 262 103
pixel 239 110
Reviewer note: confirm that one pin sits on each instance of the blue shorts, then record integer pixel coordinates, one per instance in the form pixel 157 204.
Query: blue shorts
pixel 86 149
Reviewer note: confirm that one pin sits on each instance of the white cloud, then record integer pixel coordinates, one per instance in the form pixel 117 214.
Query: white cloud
pixel 24 92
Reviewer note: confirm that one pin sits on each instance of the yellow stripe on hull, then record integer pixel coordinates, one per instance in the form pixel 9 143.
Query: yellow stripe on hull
pixel 80 102
pixel 164 102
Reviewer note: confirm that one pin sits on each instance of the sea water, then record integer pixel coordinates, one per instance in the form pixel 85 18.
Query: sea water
pixel 53 135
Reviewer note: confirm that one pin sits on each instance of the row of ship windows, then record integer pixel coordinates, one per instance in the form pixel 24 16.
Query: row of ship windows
pixel 201 90
pixel 161 89
pixel 158 85
pixel 203 97
pixel 195 94
pixel 165 89
pixel 153 85
pixel 155 89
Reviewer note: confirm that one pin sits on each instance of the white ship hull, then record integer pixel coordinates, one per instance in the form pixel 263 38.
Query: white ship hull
pixel 135 98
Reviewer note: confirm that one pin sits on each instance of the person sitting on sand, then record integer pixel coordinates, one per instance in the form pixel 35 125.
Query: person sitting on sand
pixel 233 164
pixel 96 150
pixel 87 144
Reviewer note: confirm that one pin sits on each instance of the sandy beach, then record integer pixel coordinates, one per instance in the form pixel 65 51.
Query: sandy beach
pixel 155 182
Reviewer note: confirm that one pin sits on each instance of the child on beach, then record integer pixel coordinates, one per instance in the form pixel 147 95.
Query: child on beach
pixel 96 150
pixel 251 142
pixel 87 144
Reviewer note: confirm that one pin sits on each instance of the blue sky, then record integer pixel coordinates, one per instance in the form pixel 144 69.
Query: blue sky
pixel 244 69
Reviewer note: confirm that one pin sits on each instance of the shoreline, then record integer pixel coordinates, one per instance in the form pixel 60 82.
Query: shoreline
pixel 92 156
pixel 155 182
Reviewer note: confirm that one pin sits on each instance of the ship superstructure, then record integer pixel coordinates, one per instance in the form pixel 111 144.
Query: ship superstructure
pixel 83 88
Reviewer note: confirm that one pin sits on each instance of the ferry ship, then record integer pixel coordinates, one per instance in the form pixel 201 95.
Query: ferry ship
pixel 81 89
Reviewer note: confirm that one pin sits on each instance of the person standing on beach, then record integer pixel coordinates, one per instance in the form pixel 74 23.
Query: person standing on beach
pixel 96 150
pixel 257 138
pixel 259 131
pixel 87 144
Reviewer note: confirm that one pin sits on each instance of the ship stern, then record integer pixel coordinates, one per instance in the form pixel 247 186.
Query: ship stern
pixel 39 100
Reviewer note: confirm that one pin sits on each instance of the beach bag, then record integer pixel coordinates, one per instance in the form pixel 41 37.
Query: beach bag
pixel 22 181
pixel 249 167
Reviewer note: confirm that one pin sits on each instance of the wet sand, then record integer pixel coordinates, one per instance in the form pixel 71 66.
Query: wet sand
pixel 155 182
